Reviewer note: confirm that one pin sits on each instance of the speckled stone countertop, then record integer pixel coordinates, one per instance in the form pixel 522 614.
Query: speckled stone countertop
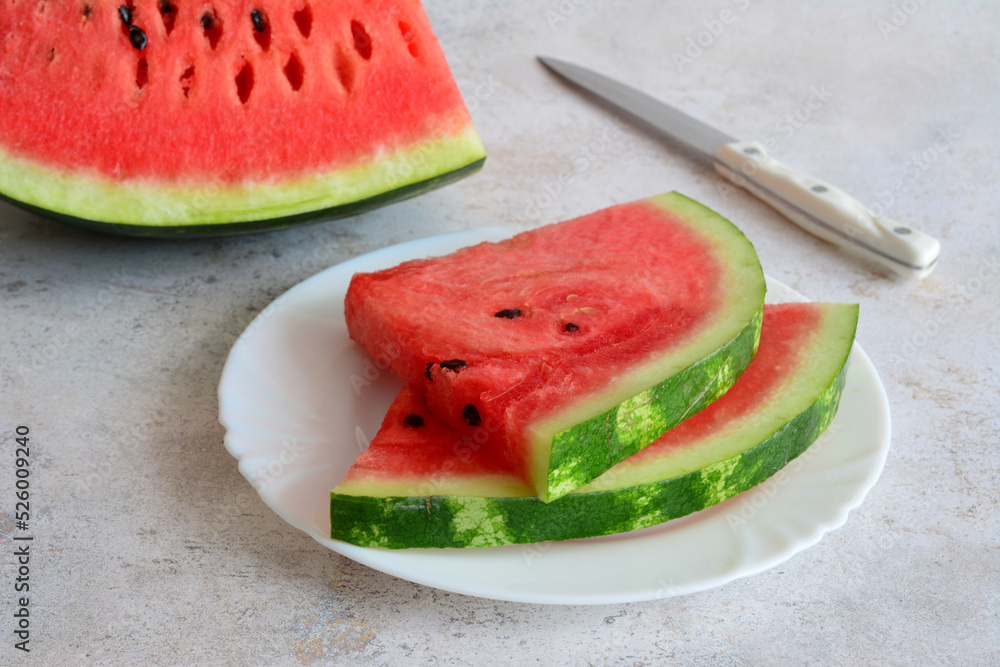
pixel 151 548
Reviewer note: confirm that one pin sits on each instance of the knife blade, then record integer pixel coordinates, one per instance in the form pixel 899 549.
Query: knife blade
pixel 814 205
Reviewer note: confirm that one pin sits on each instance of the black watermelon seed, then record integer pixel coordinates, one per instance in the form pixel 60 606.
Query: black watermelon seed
pixel 454 364
pixel 414 420
pixel 86 12
pixel 508 313
pixel 125 14
pixel 427 370
pixel 168 13
pixel 259 20
pixel 570 327
pixel 137 37
pixel 471 415
pixel 207 21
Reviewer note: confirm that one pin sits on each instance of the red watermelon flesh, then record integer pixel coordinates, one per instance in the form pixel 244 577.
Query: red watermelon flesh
pixel 782 402
pixel 427 457
pixel 524 340
pixel 235 95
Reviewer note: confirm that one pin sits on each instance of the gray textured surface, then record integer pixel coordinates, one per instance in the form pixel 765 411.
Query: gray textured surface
pixel 151 548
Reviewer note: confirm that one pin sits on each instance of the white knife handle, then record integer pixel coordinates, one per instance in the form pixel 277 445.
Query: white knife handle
pixel 827 211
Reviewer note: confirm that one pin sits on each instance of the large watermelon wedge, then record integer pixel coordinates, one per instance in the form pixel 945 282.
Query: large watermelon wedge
pixel 166 117
pixel 610 328
pixel 419 484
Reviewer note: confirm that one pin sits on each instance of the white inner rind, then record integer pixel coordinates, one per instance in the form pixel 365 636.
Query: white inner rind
pixel 378 485
pixel 146 202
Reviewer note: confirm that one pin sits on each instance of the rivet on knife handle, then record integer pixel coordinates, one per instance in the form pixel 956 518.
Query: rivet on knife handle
pixel 827 211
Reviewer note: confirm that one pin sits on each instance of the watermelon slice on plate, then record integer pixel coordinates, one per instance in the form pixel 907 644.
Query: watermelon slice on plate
pixel 299 401
pixel 609 328
pixel 420 485
pixel 163 117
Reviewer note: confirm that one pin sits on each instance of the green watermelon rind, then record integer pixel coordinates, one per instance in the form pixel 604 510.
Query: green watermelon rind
pixel 453 521
pixel 139 208
pixel 398 522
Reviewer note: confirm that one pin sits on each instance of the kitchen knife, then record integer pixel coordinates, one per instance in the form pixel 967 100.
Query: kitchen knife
pixel 815 205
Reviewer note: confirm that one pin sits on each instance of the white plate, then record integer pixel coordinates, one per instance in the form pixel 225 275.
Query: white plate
pixel 299 400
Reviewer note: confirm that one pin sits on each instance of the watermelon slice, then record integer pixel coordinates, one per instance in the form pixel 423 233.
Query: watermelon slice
pixel 162 117
pixel 610 328
pixel 419 484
